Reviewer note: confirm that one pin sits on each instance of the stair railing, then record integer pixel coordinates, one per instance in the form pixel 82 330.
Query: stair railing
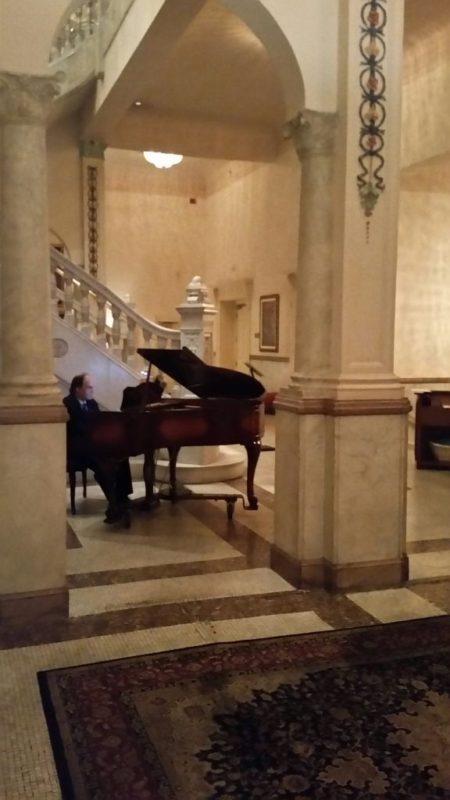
pixel 94 310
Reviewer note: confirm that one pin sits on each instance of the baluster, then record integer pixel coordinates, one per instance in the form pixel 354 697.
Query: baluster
pixel 116 332
pixel 68 300
pixel 129 343
pixel 101 320
pixel 148 336
pixel 85 311
pixel 161 342
pixel 53 286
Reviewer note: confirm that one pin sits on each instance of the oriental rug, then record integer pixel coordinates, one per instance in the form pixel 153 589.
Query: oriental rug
pixel 358 714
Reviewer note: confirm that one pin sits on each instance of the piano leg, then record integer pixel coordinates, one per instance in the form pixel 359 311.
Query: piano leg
pixel 149 478
pixel 253 450
pixel 151 499
pixel 173 455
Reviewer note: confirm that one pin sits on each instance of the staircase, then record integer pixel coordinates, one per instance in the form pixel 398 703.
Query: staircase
pixel 93 327
pixel 94 330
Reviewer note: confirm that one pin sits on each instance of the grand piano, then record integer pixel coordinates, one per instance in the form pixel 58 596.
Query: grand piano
pixel 226 408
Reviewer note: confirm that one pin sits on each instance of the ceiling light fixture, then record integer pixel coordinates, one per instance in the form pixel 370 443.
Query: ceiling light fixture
pixel 138 103
pixel 162 160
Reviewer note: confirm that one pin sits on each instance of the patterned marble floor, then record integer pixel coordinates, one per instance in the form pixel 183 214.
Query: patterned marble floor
pixel 185 576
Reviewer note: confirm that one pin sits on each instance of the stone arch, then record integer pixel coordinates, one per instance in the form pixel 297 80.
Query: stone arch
pixel 257 17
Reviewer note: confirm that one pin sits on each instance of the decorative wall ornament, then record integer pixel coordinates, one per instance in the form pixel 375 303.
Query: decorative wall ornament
pixel 92 218
pixel 312 132
pixel 269 322
pixel 60 348
pixel 372 110
pixel 27 98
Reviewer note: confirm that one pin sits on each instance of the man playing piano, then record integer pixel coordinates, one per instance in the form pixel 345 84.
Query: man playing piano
pixel 113 478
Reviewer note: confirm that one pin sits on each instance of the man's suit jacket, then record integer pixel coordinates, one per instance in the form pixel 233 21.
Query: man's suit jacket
pixel 78 447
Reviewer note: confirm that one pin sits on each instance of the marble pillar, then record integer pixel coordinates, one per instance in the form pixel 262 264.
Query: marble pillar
pixel 314 137
pixel 301 426
pixel 340 511
pixel 26 349
pixel 32 419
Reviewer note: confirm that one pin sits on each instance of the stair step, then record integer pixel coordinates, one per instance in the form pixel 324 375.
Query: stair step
pixel 105 598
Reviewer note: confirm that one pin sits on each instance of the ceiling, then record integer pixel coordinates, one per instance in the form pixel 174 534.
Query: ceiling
pixel 425 18
pixel 218 69
pixel 429 176
pixel 212 92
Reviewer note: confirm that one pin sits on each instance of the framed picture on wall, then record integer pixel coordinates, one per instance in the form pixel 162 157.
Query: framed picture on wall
pixel 269 317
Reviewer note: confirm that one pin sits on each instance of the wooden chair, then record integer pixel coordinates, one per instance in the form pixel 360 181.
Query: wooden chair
pixel 73 482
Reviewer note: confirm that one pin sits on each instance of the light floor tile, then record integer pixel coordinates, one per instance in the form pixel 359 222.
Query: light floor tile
pixel 429 565
pixel 394 605
pixel 235 630
pixel 27 769
pixel 98 599
pixel 268 487
pixel 167 535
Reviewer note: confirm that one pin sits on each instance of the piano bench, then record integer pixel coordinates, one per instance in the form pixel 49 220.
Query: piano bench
pixel 73 483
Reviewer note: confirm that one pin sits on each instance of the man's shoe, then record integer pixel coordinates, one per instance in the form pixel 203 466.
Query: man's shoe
pixel 113 515
pixel 124 501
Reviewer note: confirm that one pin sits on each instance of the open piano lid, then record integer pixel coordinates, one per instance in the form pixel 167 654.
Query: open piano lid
pixel 199 378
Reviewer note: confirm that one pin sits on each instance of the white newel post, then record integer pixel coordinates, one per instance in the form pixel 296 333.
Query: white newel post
pixel 197 316
pixel 32 418
pixel 201 464
pixel 196 322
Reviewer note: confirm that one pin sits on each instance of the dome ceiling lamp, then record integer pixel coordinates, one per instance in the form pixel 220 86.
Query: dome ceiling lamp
pixel 162 160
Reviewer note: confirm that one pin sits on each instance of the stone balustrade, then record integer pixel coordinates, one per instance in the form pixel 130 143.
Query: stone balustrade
pixel 82 39
pixel 96 312
pixel 78 26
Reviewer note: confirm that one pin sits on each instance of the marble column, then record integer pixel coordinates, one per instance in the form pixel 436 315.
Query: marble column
pixel 301 425
pixel 26 352
pixel 32 418
pixel 314 137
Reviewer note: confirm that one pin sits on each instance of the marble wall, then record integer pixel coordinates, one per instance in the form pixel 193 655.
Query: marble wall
pixel 253 218
pixel 64 196
pixel 422 329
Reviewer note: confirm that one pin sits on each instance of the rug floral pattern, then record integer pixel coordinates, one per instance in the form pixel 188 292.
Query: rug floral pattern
pixel 350 715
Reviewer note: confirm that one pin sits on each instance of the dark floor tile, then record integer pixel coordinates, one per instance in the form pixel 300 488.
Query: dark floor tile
pixel 153 573
pixel 72 540
pixel 255 549
pixel 428 546
pixel 437 592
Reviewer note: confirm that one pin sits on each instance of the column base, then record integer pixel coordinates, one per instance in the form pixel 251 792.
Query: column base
pixel 29 392
pixel 322 574
pixel 47 606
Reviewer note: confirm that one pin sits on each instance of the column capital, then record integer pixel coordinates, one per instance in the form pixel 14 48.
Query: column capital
pixel 312 132
pixel 89 148
pixel 26 98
